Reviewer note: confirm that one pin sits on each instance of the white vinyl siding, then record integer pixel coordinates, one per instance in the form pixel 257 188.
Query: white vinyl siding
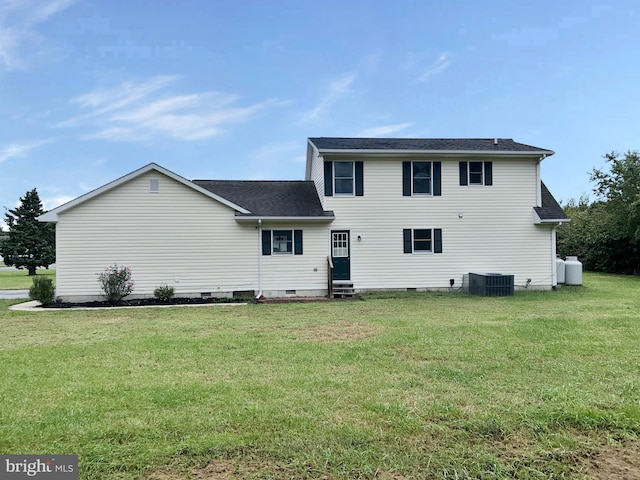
pixel 178 237
pixel 306 272
pixel 484 229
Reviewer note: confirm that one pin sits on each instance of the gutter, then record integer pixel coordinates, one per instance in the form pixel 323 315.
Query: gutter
pixel 345 151
pixel 253 218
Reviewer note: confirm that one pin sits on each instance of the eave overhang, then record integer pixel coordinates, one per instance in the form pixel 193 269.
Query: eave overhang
pixel 242 218
pixel 399 152
pixel 548 221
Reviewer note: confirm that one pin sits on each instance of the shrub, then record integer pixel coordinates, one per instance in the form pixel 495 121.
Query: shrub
pixel 164 293
pixel 42 290
pixel 116 283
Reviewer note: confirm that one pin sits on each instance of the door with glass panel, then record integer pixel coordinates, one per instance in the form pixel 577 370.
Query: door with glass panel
pixel 340 255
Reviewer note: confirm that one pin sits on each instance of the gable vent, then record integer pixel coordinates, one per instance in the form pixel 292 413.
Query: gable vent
pixel 154 185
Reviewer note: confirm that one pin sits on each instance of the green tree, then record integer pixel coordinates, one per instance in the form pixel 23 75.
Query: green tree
pixel 606 233
pixel 29 244
pixel 619 187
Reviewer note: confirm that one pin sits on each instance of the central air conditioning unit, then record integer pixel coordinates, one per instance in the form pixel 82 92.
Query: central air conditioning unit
pixel 490 284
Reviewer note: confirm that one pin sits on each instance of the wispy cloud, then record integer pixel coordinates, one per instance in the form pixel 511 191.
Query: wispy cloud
pixel 337 89
pixel 16 150
pixel 384 130
pixel 19 20
pixel 436 68
pixel 52 202
pixel 268 159
pixel 136 111
pixel 533 36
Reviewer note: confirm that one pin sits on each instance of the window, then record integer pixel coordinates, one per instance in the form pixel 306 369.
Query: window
pixel 421 178
pixel 476 173
pixel 422 240
pixel 343 178
pixel 282 242
pixel 154 185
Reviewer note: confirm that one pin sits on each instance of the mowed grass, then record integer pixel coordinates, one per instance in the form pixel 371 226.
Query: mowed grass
pixel 20 279
pixel 415 385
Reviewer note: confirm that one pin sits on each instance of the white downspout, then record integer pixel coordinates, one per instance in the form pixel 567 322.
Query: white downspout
pixel 259 260
pixel 554 277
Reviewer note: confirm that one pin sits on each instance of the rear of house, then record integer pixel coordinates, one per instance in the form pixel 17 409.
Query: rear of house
pixel 422 213
pixel 371 214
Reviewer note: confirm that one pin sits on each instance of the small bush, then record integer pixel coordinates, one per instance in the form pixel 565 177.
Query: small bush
pixel 164 293
pixel 42 290
pixel 116 283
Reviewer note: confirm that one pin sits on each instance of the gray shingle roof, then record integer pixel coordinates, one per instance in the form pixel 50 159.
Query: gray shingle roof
pixel 427 144
pixel 269 198
pixel 551 209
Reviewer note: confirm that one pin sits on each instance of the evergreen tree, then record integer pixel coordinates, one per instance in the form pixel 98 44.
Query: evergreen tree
pixel 30 244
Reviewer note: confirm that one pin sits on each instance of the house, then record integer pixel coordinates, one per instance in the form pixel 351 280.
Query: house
pixel 370 214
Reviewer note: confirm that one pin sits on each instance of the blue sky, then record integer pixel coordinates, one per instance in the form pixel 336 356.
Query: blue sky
pixel 91 89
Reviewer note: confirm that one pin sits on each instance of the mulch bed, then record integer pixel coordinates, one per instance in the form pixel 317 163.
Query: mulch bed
pixel 147 302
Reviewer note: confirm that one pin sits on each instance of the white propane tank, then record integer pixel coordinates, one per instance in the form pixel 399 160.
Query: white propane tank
pixel 573 271
pixel 560 270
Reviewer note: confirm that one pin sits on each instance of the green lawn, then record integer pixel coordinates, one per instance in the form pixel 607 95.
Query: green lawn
pixel 20 279
pixel 417 385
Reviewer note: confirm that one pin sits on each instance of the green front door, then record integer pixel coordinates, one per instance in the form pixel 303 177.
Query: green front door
pixel 340 255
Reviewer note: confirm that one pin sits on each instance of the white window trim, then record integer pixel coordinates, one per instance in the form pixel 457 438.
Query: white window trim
pixel 353 179
pixel 420 194
pixel 413 240
pixel 273 240
pixel 484 176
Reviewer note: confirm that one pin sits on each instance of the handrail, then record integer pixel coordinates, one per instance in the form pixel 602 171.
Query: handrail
pixel 330 276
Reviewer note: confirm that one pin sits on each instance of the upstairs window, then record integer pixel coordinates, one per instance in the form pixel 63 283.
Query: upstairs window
pixel 421 178
pixel 476 173
pixel 343 178
pixel 422 240
pixel 282 242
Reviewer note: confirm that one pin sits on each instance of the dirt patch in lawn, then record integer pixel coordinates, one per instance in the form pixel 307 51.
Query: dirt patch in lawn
pixel 232 470
pixel 228 470
pixel 337 332
pixel 609 463
pixel 615 462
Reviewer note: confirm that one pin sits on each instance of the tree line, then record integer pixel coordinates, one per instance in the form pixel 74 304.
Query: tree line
pixel 605 233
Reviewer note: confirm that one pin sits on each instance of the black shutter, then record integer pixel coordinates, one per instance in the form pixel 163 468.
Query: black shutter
pixel 359 179
pixel 297 242
pixel 328 179
pixel 437 240
pixel 406 179
pixel 488 173
pixel 266 242
pixel 463 173
pixel 437 182
pixel 408 247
